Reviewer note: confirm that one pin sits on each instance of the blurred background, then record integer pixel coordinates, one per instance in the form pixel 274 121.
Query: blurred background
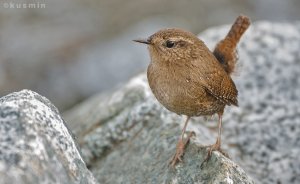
pixel 69 50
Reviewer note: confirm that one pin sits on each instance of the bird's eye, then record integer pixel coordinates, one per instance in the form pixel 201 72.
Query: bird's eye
pixel 169 44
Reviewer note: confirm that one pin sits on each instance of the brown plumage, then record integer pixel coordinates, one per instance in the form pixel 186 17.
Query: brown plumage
pixel 225 50
pixel 188 79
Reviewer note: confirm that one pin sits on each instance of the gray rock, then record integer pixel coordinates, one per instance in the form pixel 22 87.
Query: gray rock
pixel 264 131
pixel 35 144
pixel 127 136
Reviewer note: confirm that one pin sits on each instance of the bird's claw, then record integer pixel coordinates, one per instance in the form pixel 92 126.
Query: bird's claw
pixel 180 147
pixel 214 147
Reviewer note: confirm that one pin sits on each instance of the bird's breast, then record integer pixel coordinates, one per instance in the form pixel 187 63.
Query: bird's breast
pixel 176 91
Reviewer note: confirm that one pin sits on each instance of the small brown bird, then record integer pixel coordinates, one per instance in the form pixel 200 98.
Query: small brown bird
pixel 188 79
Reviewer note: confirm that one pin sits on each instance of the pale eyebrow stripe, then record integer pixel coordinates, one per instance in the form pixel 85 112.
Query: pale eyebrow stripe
pixel 180 38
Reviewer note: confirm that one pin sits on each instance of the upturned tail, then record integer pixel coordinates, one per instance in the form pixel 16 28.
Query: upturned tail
pixel 225 50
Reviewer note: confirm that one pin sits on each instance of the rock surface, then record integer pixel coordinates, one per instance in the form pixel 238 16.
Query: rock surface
pixel 264 131
pixel 127 136
pixel 35 144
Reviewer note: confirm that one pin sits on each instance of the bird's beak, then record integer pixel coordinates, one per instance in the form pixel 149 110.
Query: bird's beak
pixel 144 41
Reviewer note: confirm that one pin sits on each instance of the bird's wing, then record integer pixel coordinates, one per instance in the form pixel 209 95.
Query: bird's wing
pixel 215 80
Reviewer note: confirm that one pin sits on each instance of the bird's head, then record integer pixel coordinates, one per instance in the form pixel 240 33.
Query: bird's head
pixel 172 45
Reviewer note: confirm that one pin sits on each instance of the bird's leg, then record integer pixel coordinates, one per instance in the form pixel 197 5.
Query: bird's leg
pixel 217 145
pixel 181 145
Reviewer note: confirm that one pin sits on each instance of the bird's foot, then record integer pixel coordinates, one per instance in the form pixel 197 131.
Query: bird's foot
pixel 180 147
pixel 214 147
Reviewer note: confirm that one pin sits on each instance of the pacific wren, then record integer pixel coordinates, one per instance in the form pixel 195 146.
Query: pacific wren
pixel 188 79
